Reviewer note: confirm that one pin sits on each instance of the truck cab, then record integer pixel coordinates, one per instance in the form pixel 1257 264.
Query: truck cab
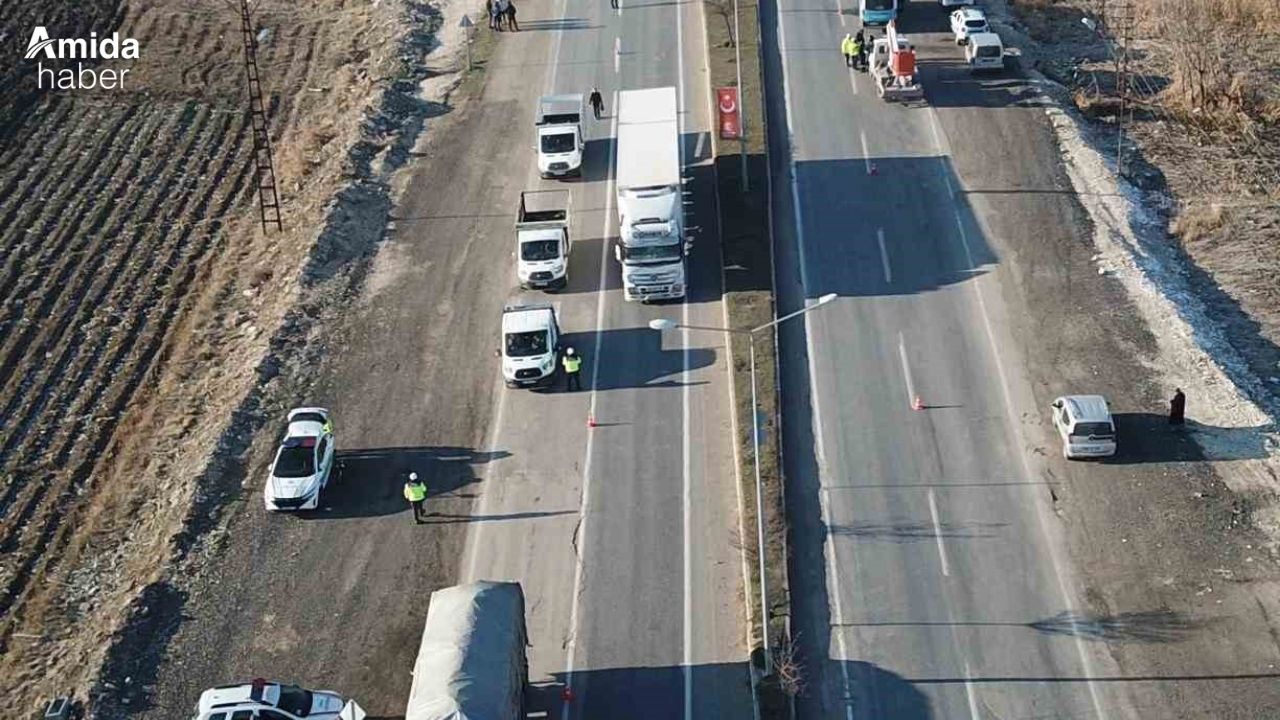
pixel 542 239
pixel 559 135
pixel 652 250
pixel 530 345
pixel 877 12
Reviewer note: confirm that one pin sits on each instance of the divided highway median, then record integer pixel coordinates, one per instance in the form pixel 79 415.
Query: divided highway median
pixel 746 251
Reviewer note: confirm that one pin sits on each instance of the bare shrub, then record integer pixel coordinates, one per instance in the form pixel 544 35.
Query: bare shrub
pixel 1197 222
pixel 787 667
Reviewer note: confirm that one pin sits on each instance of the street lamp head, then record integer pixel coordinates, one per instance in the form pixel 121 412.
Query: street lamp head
pixel 826 298
pixel 661 324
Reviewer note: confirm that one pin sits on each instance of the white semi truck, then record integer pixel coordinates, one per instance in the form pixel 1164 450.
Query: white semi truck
pixel 472 661
pixel 650 198
pixel 560 142
pixel 542 239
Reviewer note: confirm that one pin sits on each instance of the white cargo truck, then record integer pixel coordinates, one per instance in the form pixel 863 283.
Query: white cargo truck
pixel 472 661
pixel 542 239
pixel 530 345
pixel 560 142
pixel 650 200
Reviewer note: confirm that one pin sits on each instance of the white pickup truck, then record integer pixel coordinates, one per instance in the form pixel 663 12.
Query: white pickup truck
pixel 560 142
pixel 542 239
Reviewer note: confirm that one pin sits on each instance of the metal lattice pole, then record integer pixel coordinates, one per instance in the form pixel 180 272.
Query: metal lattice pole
pixel 264 167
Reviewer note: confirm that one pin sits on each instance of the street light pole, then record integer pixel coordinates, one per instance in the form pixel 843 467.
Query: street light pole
pixel 664 324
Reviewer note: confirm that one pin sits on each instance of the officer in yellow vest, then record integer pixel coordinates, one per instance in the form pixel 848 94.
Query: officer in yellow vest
pixel 572 362
pixel 847 49
pixel 415 491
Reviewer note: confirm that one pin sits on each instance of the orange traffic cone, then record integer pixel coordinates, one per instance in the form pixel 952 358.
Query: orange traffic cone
pixel 566 694
pixel 591 420
pixel 873 170
pixel 917 404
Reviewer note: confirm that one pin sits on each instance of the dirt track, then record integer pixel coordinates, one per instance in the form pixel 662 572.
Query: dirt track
pixel 131 259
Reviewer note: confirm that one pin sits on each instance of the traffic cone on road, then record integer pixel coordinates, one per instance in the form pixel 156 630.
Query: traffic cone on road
pixel 591 420
pixel 567 694
pixel 917 404
pixel 873 170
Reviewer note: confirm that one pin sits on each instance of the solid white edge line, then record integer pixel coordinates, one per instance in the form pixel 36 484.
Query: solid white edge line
pixel 971 693
pixel 884 256
pixel 482 507
pixel 1011 421
pixel 937 534
pixel 819 447
pixel 572 644
pixel 853 74
pixel 866 154
pixel 617 54
pixel 906 369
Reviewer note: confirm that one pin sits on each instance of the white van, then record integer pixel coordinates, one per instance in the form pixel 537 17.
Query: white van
pixel 1085 425
pixel 984 52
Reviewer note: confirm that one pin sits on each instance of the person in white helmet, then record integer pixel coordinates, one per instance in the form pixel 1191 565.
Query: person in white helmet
pixel 415 491
pixel 572 362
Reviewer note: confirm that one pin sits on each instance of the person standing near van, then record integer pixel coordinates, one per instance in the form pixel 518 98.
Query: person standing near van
pixel 572 370
pixel 1177 407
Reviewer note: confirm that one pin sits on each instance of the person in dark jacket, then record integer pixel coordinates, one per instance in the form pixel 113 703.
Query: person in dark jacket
pixel 1177 407
pixel 511 16
pixel 597 102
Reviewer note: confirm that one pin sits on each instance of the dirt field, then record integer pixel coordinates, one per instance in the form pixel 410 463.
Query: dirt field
pixel 139 295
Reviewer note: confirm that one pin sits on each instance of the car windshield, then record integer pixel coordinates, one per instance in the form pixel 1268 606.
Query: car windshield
pixel 988 51
pixel 526 344
pixel 295 700
pixel 1095 429
pixel 539 250
pixel 652 254
pixel 295 461
pixel 558 143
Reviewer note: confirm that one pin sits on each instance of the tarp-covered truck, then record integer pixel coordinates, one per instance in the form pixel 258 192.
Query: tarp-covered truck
pixel 472 664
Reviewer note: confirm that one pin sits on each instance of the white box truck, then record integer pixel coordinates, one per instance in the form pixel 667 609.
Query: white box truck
pixel 542 239
pixel 560 142
pixel 472 661
pixel 650 199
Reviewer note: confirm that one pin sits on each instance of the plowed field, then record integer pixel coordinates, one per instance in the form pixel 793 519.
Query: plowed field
pixel 137 291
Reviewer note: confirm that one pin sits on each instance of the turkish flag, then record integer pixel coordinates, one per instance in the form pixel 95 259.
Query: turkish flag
pixel 730 113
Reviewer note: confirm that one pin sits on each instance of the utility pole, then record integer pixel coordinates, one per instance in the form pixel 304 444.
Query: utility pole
pixel 264 168
pixel 1122 77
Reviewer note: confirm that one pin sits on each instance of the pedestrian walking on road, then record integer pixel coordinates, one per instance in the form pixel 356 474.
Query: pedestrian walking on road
pixel 415 491
pixel 597 102
pixel 846 49
pixel 511 16
pixel 491 8
pixel 1177 407
pixel 572 370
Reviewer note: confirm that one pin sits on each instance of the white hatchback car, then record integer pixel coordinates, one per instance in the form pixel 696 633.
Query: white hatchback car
pixel 262 700
pixel 1085 425
pixel 304 462
pixel 966 22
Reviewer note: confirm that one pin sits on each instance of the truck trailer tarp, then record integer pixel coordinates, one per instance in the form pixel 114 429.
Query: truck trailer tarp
pixel 471 664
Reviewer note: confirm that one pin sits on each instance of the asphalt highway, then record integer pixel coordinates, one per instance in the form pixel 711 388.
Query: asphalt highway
pixel 623 535
pixel 930 578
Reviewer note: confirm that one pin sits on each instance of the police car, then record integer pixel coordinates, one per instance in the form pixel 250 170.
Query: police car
pixel 262 700
pixel 303 462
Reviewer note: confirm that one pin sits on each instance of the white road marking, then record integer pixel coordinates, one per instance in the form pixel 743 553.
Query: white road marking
pixel 482 509
pixel 617 9
pixel 840 14
pixel 884 256
pixel 866 154
pixel 906 369
pixel 853 75
pixel 971 693
pixel 617 54
pixel 833 568
pixel 572 644
pixel 1011 421
pixel 937 534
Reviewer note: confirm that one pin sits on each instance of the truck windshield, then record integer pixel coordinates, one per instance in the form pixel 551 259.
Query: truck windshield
pixel 538 250
pixel 295 700
pixel 527 344
pixel 295 462
pixel 654 254
pixel 557 143
pixel 989 51
pixel 878 4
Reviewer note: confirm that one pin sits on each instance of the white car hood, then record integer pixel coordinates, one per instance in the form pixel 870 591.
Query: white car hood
pixel 286 488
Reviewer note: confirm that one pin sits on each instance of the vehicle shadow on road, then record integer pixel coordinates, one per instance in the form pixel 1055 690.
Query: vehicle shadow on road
pixel 369 482
pixel 1148 438
pixel 636 358
pixel 857 244
pixel 720 690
